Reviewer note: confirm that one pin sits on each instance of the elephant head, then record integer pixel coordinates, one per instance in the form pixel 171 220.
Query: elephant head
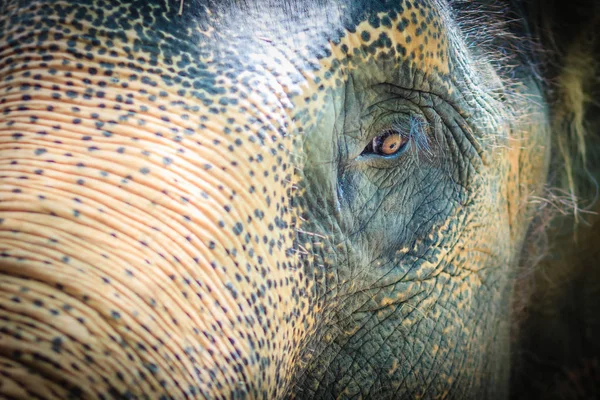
pixel 264 199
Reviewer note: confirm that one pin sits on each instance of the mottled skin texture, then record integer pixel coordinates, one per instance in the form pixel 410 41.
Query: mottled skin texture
pixel 187 210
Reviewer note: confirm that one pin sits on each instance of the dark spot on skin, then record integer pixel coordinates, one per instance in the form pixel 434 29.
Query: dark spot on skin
pixel 57 343
pixel 238 228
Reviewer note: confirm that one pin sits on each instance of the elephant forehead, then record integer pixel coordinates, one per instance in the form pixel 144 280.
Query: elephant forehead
pixel 328 39
pixel 415 38
pixel 209 50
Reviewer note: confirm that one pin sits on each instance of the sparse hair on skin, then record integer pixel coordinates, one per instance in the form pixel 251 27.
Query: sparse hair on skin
pixel 565 49
pixel 570 126
pixel 572 54
pixel 556 295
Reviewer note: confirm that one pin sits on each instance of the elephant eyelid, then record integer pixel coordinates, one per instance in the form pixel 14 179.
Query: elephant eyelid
pixel 406 129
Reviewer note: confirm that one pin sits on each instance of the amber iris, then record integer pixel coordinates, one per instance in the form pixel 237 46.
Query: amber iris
pixel 389 143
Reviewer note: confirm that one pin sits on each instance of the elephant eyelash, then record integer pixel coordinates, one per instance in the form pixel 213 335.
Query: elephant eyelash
pixel 418 133
pixel 412 133
pixel 415 133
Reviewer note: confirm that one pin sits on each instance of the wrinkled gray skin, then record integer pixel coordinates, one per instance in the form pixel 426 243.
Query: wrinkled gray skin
pixel 193 206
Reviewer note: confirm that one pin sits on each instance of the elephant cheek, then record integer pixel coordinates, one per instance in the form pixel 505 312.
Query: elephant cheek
pixel 136 260
pixel 528 158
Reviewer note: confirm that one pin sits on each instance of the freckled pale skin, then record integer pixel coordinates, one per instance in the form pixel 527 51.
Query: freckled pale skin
pixel 187 208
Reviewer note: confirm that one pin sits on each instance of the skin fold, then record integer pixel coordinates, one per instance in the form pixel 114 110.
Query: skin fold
pixel 191 205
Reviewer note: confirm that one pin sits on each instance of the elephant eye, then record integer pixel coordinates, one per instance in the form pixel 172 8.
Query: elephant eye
pixel 387 144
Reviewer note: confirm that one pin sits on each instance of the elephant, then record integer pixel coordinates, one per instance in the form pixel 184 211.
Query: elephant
pixel 298 199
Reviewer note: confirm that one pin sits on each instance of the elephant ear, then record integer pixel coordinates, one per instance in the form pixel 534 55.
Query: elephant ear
pixel 558 310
